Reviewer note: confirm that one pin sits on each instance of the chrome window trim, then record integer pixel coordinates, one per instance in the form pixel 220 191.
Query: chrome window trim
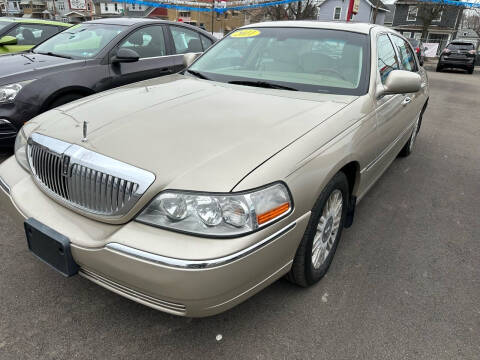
pixel 4 186
pixel 197 264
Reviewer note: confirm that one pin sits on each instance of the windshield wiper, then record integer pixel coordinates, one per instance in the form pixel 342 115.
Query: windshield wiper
pixel 54 54
pixel 25 56
pixel 198 74
pixel 263 84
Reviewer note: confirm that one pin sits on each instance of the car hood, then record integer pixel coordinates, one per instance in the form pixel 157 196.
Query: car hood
pixel 192 134
pixel 19 67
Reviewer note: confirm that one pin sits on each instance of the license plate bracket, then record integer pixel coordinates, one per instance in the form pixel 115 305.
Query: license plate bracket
pixel 50 247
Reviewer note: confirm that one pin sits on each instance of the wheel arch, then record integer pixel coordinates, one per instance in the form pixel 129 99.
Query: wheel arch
pixel 81 90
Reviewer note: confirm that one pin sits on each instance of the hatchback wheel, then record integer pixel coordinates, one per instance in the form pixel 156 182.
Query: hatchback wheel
pixel 319 243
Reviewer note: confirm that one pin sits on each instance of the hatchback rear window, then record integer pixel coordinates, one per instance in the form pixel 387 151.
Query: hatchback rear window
pixel 458 46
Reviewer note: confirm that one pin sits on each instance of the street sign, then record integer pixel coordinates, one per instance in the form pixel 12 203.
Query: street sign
pixel 356 6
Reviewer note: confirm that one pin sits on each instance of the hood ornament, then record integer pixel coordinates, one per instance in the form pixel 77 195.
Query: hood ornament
pixel 85 129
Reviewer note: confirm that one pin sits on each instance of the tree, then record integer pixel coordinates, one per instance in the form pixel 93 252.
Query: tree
pixel 427 12
pixel 301 10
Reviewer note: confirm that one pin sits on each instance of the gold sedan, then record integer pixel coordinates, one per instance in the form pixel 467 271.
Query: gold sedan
pixel 190 193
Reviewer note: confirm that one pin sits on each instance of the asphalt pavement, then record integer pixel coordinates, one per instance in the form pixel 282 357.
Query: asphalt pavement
pixel 405 282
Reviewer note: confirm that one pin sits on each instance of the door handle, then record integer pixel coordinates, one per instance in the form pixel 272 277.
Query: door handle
pixel 406 100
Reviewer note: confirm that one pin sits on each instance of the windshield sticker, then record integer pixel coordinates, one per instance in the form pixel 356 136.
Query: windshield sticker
pixel 245 33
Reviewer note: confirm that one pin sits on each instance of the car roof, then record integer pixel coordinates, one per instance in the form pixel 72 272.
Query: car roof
pixel 128 21
pixel 34 21
pixel 363 28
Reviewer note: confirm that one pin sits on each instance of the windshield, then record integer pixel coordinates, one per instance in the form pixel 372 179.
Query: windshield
pixel 4 24
pixel 459 46
pixel 80 41
pixel 313 60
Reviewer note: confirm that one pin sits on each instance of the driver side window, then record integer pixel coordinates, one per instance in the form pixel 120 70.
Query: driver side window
pixel 387 58
pixel 147 42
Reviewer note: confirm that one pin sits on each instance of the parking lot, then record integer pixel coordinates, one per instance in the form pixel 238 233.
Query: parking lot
pixel 405 283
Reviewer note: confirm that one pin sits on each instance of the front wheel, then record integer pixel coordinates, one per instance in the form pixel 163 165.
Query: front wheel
pixel 319 243
pixel 439 68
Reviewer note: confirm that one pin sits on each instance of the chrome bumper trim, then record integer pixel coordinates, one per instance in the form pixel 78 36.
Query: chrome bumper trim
pixel 197 264
pixel 4 186
pixel 159 304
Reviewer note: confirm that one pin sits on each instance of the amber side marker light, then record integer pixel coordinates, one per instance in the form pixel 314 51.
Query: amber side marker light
pixel 272 214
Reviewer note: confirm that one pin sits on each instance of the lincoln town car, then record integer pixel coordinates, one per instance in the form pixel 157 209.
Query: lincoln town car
pixel 191 192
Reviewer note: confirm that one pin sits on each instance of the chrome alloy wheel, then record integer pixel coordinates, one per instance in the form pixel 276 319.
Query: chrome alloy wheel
pixel 327 228
pixel 414 135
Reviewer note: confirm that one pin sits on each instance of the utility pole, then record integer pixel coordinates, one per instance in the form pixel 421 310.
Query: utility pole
pixel 213 12
pixel 54 10
pixel 375 12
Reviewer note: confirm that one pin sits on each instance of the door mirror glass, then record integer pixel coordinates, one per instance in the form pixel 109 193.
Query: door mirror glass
pixel 8 40
pixel 125 56
pixel 400 82
pixel 189 58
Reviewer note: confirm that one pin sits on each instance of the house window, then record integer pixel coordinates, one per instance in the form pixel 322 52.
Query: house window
pixel 412 13
pixel 106 7
pixel 438 18
pixel 407 34
pixel 116 7
pixel 417 35
pixel 133 6
pixel 337 13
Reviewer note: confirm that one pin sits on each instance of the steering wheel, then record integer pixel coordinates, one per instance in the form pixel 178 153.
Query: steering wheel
pixel 332 71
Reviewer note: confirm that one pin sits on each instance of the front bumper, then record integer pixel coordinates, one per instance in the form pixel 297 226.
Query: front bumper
pixel 121 258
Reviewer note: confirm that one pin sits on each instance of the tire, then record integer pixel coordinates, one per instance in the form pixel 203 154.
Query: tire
pixel 305 271
pixel 408 147
pixel 64 99
pixel 470 71
pixel 439 68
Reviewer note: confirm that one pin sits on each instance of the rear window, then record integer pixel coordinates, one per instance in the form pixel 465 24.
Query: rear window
pixel 459 46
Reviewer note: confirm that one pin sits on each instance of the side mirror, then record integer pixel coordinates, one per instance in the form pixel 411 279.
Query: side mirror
pixel 400 82
pixel 125 56
pixel 189 58
pixel 8 40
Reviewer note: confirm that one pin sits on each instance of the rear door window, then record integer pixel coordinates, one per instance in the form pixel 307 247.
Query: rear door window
pixel 206 42
pixel 185 40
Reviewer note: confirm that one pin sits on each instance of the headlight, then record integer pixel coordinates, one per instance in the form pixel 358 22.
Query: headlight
pixel 8 93
pixel 21 144
pixel 219 215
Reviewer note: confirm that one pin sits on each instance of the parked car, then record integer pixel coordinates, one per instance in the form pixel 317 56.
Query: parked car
pixel 19 34
pixel 419 49
pixel 458 54
pixel 88 58
pixel 192 192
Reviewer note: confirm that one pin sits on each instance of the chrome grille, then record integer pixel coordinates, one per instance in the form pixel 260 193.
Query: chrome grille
pixel 84 179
